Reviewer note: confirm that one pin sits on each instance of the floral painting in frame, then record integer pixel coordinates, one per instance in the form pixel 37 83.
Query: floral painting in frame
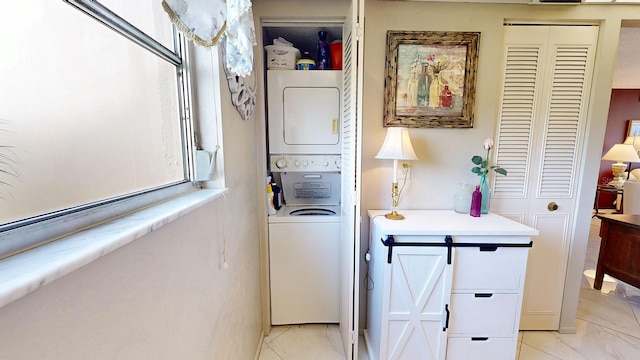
pixel 430 79
pixel 633 129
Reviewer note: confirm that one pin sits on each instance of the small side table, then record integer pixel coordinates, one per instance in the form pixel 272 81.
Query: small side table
pixel 608 189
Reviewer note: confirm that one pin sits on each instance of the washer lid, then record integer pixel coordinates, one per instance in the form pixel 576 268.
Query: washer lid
pixel 312 212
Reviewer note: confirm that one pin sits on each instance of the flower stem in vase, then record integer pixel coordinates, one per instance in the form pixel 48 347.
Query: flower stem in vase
pixel 486 194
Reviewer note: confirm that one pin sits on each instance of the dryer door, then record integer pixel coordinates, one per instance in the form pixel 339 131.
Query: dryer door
pixel 311 115
pixel 304 112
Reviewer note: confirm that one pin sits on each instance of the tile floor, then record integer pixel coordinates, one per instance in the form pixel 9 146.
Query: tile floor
pixel 608 328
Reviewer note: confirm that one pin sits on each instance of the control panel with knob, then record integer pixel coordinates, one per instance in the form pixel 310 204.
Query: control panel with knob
pixel 300 163
pixel 280 163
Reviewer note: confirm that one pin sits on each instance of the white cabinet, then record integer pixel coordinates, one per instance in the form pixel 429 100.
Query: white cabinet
pixel 486 300
pixel 410 302
pixel 445 285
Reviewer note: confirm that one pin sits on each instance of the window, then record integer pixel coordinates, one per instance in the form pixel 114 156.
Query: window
pixel 89 116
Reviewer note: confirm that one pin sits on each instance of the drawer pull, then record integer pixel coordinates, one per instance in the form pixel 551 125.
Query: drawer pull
pixel 488 247
pixel 483 295
pixel 479 338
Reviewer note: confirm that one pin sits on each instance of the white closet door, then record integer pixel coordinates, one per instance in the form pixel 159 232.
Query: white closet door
pixel 547 80
pixel 351 169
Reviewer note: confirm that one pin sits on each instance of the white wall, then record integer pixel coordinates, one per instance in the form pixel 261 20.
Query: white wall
pixel 166 295
pixel 445 154
pixel 627 74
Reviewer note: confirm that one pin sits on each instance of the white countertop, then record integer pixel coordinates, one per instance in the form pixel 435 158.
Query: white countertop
pixel 448 222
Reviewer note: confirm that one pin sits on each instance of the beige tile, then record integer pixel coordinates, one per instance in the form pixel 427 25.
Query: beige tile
pixel 632 294
pixel 276 331
pixel 526 352
pixel 611 310
pixel 310 342
pixel 591 341
pixel 267 354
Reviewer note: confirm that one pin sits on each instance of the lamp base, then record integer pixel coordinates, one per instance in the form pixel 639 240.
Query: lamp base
pixel 394 216
pixel 618 169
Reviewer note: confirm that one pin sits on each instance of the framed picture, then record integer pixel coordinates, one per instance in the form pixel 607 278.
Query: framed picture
pixel 633 129
pixel 430 79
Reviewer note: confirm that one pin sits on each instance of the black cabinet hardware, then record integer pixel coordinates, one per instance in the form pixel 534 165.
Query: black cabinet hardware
pixel 446 321
pixel 479 338
pixel 483 295
pixel 390 242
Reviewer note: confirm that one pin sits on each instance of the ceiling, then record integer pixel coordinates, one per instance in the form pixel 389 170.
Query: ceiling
pixel 535 2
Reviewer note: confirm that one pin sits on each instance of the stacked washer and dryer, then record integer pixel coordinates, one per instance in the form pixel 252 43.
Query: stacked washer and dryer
pixel 304 158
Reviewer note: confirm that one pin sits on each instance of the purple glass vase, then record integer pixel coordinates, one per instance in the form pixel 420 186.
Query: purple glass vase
pixel 476 202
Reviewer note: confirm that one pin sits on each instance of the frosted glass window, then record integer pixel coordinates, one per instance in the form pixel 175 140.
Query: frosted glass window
pixel 85 113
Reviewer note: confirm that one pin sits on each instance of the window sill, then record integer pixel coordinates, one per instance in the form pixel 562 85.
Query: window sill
pixel 26 272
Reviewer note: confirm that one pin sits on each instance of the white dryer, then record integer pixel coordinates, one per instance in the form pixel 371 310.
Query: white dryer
pixel 304 111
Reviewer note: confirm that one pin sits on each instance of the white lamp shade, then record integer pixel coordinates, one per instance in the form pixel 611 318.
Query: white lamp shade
pixel 622 152
pixel 397 145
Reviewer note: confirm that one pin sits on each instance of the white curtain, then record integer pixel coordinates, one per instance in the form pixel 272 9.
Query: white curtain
pixel 206 22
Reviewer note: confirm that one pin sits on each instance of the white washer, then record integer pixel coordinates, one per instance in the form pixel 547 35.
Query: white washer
pixel 304 241
pixel 304 255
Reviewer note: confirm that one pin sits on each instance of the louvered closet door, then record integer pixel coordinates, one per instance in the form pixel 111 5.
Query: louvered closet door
pixel 351 149
pixel 547 78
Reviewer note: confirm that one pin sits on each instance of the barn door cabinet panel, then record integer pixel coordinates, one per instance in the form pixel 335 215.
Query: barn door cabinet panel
pixel 445 285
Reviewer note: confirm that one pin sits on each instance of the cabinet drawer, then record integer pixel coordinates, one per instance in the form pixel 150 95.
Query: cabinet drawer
pixel 481 348
pixel 501 269
pixel 483 315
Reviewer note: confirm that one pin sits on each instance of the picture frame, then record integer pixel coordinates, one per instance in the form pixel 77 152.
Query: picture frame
pixel 430 79
pixel 633 128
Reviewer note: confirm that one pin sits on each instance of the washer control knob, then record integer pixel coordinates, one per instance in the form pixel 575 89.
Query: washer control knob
pixel 281 163
pixel 305 163
pixel 297 163
pixel 325 163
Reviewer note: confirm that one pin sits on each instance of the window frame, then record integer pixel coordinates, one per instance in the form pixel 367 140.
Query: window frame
pixel 25 234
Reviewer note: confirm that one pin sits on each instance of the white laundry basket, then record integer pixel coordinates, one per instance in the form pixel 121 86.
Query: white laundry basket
pixel 281 57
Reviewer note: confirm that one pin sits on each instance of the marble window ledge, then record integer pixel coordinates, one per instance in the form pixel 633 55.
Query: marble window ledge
pixel 26 272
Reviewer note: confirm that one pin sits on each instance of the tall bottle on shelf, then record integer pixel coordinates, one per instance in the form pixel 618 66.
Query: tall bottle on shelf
pixel 322 62
pixel 476 202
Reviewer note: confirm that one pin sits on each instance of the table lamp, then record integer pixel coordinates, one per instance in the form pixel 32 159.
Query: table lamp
pixel 620 153
pixel 396 146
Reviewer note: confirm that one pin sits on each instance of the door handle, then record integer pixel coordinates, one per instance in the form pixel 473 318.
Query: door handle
pixel 552 206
